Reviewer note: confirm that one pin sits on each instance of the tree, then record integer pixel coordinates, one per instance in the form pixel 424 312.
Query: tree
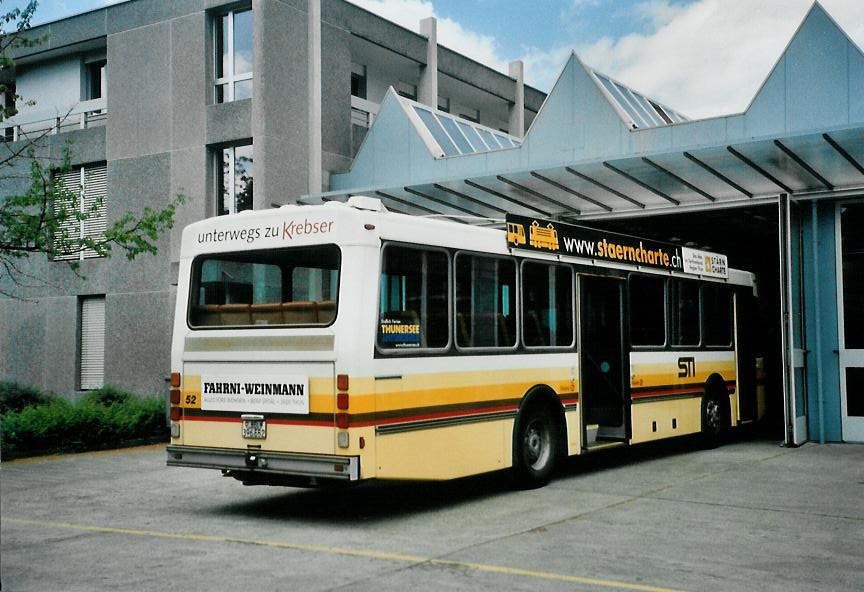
pixel 46 218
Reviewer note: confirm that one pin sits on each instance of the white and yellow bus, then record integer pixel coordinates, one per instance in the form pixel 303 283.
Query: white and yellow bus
pixel 343 342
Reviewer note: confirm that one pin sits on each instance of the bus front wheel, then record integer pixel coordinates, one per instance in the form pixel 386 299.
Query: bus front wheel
pixel 536 450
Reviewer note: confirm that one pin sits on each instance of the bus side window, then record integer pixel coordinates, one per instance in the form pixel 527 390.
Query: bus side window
pixel 485 301
pixel 547 305
pixel 684 301
pixel 414 299
pixel 647 310
pixel 717 314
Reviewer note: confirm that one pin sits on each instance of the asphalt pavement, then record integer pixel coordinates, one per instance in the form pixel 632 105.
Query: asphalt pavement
pixel 748 515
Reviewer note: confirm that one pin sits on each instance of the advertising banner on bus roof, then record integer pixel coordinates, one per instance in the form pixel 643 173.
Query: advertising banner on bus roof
pixel 548 236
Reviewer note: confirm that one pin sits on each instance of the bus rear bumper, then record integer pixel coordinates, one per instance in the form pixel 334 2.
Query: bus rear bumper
pixel 245 464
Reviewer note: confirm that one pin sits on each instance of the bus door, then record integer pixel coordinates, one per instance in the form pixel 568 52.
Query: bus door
pixel 604 366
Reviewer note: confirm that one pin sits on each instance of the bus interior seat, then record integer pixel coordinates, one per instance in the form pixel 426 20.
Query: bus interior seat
pixel 326 311
pixel 302 312
pixel 269 313
pixel 235 314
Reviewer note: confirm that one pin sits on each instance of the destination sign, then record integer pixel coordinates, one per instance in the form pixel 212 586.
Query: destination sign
pixel 559 238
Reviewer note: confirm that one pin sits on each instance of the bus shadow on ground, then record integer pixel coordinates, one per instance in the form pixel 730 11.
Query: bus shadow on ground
pixel 381 501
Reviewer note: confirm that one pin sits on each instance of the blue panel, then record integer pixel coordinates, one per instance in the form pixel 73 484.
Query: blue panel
pixel 461 142
pixel 826 283
pixel 696 133
pixel 437 131
pixel 817 75
pixel 767 114
pixel 472 136
pixel 487 137
pixel 504 141
pixel 856 85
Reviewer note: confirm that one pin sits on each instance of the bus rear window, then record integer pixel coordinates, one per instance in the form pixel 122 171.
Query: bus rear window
pixel 273 287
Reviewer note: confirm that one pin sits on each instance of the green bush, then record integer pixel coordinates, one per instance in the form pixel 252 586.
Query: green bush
pixel 15 397
pixel 104 418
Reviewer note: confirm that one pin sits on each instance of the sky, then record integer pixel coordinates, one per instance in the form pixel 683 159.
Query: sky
pixel 701 57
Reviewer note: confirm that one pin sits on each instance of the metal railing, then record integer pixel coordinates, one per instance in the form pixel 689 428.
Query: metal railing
pixel 83 115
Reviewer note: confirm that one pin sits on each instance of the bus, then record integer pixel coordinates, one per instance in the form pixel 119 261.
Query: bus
pixel 341 342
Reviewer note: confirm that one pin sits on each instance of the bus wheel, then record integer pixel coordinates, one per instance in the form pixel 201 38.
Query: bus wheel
pixel 536 450
pixel 712 420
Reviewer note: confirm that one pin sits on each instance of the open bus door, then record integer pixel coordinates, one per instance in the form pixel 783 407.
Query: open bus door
pixel 604 365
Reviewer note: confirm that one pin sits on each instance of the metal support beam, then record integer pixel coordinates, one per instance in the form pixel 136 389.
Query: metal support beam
pixel 817 306
pixel 842 152
pixel 537 194
pixel 786 319
pixel 681 180
pixel 707 168
pixel 491 191
pixel 409 204
pixel 467 197
pixel 641 184
pixel 800 162
pixel 614 192
pixel 573 192
pixel 758 169
pixel 439 201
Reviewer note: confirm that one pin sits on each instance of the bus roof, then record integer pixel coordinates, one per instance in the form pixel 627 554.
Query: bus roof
pixel 365 221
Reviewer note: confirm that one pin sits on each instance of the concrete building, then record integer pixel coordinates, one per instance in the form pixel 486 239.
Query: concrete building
pixel 778 188
pixel 208 98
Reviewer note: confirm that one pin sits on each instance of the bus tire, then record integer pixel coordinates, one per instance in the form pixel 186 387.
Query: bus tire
pixel 714 420
pixel 536 447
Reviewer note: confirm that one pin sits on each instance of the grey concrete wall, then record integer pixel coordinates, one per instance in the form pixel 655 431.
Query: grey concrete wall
pixel 139 95
pixel 279 114
pixel 336 93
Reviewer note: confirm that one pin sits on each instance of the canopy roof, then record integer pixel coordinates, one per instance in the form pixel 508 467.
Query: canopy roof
pixel 599 149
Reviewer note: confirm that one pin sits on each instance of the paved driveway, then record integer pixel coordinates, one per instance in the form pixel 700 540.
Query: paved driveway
pixel 746 516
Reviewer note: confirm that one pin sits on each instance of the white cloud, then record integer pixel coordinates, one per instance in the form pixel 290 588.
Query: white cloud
pixel 705 58
pixel 709 57
pixel 408 13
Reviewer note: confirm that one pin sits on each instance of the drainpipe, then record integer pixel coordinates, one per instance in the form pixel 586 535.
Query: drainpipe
pixel 786 358
pixel 313 50
pixel 817 309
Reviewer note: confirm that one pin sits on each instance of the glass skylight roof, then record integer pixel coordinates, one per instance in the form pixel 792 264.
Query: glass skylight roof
pixel 642 111
pixel 457 136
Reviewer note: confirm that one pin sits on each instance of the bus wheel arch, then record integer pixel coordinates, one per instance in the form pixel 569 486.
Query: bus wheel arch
pixel 539 437
pixel 716 412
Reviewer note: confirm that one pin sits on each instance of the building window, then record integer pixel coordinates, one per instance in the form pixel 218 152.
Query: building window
pixel 85 191
pixel 91 362
pixel 233 43
pixel 409 91
pixel 358 80
pixel 94 79
pixel 444 104
pixel 470 114
pixel 234 179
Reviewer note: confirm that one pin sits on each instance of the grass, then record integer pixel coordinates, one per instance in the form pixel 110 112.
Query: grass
pixel 36 422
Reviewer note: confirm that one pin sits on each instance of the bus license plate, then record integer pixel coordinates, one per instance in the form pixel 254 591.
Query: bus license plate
pixel 254 427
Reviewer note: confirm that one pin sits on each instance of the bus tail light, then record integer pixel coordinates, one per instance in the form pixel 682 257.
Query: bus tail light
pixel 175 414
pixel 175 379
pixel 175 396
pixel 342 421
pixel 342 401
pixel 342 382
